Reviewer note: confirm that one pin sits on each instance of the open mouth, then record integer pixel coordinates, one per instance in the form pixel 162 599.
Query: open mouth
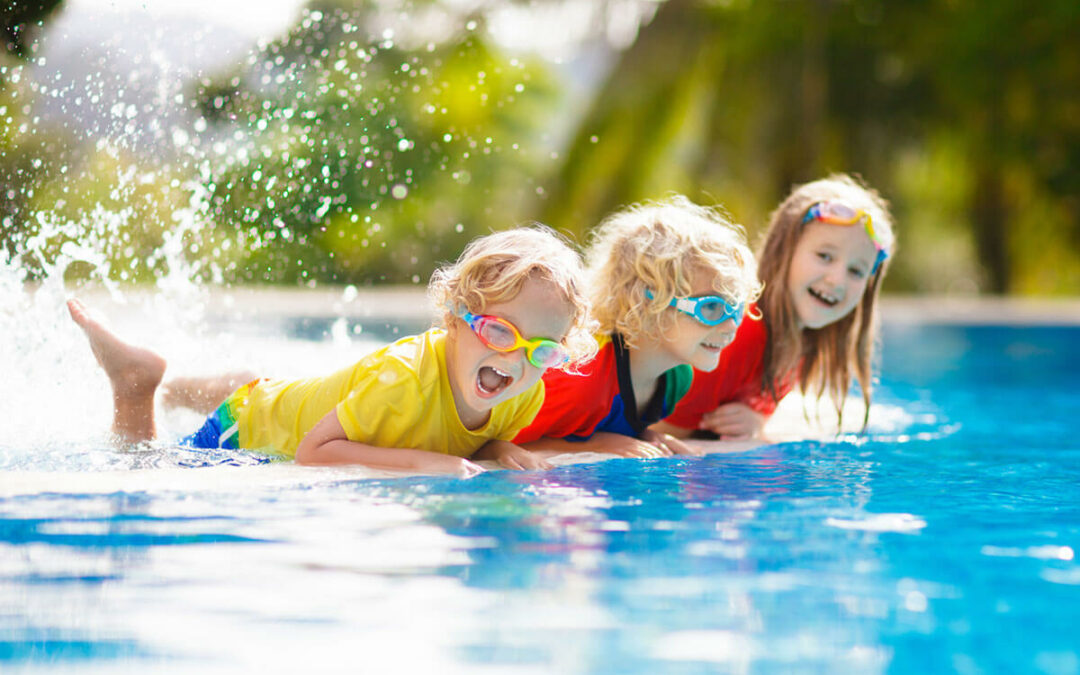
pixel 716 345
pixel 492 381
pixel 826 299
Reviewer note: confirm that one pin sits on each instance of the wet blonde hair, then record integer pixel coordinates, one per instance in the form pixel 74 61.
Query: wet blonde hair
pixel 659 246
pixel 493 269
pixel 827 357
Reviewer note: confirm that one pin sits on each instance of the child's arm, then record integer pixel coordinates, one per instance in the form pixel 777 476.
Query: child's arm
pixel 734 421
pixel 511 456
pixel 327 443
pixel 672 444
pixel 607 442
pixel 665 427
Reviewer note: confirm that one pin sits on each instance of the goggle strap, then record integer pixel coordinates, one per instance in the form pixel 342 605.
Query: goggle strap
pixel 816 212
pixel 685 304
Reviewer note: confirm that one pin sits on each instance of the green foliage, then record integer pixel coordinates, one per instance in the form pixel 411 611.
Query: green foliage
pixel 986 93
pixel 341 152
pixel 19 19
pixel 369 161
pixel 70 199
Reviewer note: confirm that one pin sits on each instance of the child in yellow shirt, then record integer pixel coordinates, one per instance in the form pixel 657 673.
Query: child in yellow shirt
pixel 513 306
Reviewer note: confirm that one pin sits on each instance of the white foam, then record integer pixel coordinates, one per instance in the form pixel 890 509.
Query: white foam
pixel 880 522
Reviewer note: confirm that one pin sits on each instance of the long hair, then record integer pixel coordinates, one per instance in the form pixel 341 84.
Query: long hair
pixel 824 359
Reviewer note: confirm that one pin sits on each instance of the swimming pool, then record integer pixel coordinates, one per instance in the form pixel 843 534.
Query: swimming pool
pixel 944 541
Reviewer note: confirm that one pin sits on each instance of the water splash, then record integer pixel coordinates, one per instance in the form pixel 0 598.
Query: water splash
pixel 333 153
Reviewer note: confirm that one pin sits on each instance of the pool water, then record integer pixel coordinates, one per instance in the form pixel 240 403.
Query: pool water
pixel 945 540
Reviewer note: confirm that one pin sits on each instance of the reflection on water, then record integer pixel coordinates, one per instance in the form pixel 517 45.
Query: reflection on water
pixel 943 540
pixel 913 549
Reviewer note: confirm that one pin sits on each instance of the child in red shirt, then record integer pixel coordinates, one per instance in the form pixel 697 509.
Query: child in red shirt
pixel 668 284
pixel 825 254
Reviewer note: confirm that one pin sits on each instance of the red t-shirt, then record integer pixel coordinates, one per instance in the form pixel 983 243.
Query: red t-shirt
pixel 736 378
pixel 600 397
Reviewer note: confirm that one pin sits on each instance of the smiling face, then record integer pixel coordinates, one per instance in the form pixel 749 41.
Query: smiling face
pixel 691 341
pixel 829 270
pixel 481 377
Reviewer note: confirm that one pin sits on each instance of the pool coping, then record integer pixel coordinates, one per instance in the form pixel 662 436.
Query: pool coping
pixel 981 310
pixel 411 303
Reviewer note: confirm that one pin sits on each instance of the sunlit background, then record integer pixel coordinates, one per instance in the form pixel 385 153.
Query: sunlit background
pixel 205 162
pixel 365 142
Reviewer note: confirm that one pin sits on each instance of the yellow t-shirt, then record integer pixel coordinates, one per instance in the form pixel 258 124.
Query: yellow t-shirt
pixel 396 397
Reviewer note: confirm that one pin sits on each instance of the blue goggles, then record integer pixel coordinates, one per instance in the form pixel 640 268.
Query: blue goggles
pixel 711 310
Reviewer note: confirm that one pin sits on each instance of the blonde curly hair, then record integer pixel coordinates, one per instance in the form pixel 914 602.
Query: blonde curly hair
pixel 493 268
pixel 659 246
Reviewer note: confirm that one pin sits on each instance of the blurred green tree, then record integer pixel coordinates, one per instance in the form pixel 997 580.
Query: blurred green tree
pixel 349 152
pixel 964 112
pixel 357 158
pixel 19 20
pixel 24 156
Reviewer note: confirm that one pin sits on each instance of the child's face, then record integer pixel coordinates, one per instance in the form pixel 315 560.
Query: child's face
pixel 693 342
pixel 481 377
pixel 829 271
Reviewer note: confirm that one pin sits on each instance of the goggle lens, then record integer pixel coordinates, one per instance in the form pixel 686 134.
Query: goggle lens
pixel 715 311
pixel 547 355
pixel 839 213
pixel 496 334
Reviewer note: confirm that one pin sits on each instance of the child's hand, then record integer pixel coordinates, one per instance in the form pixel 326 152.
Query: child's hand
pixel 670 443
pixel 624 446
pixel 734 422
pixel 459 466
pixel 513 456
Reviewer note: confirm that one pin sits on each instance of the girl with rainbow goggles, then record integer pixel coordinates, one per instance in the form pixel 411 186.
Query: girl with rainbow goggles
pixel 823 260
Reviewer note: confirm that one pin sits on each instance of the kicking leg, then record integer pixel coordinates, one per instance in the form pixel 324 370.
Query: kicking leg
pixel 134 373
pixel 202 394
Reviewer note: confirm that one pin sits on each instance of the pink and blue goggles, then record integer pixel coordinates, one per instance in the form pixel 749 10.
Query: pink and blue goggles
pixel 837 213
pixel 502 336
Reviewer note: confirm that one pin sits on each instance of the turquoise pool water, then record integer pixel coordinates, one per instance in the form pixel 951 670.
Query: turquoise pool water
pixel 944 541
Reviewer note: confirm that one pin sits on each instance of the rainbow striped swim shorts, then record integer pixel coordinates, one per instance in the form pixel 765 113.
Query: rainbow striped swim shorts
pixel 221 430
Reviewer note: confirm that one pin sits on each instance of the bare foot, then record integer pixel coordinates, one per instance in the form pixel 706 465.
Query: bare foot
pixel 134 372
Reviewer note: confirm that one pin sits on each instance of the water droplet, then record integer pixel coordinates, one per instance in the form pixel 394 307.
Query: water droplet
pixel 399 191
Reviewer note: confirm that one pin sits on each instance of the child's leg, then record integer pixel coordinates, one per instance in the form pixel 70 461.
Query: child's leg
pixel 202 394
pixel 134 373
